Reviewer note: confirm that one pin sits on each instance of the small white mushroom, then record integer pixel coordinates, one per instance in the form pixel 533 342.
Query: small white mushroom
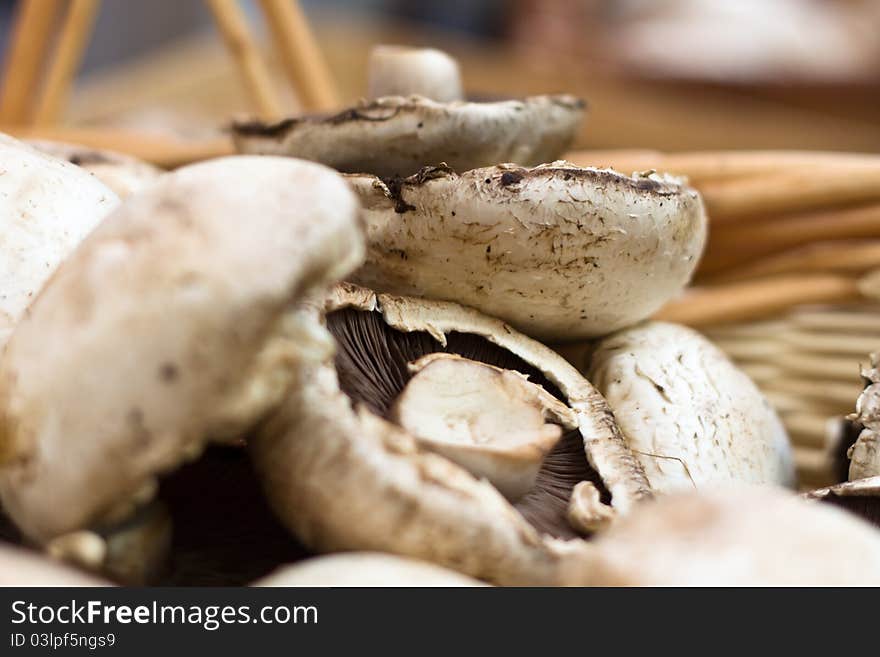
pixel 122 173
pixel 405 71
pixel 168 328
pixel 490 421
pixel 560 252
pixel 365 569
pixel 692 418
pixel 396 136
pixel 46 207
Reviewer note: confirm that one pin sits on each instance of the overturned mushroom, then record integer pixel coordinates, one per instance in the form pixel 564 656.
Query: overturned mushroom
pixel 365 569
pixel 395 135
pixel 691 417
pixel 22 567
pixel 746 537
pixel 343 476
pixel 404 71
pixel 46 207
pixel 172 319
pixel 557 251
pixel 123 174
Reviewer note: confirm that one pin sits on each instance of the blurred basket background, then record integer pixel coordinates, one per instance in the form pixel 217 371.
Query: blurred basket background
pixel 781 150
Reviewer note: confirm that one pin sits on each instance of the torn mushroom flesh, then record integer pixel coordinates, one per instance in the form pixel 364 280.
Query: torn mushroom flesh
pixel 344 476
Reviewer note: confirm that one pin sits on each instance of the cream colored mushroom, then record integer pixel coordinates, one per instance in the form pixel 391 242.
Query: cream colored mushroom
pixel 492 422
pixel 342 477
pixel 21 567
pixel 559 252
pixel 692 418
pixel 406 71
pixel 743 537
pixel 122 173
pixel 46 207
pixel 168 328
pixel 864 454
pixel 365 569
pixel 396 136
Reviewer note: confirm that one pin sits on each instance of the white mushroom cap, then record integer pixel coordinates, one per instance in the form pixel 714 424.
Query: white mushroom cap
pixel 122 173
pixel 46 207
pixel 491 421
pixel 167 327
pixel 21 567
pixel 558 251
pixel 864 454
pixel 343 478
pixel 692 418
pixel 406 71
pixel 746 537
pixel 365 569
pixel 396 136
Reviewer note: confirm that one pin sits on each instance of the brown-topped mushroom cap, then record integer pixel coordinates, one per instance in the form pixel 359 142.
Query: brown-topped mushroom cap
pixel 558 251
pixel 396 135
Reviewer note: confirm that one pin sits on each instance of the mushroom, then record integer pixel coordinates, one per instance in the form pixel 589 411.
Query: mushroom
pixel 861 496
pixel 21 567
pixel 560 252
pixel 174 320
pixel 864 453
pixel 365 569
pixel 123 174
pixel 405 71
pixel 342 475
pixel 46 207
pixel 396 135
pixel 692 418
pixel 491 421
pixel 744 537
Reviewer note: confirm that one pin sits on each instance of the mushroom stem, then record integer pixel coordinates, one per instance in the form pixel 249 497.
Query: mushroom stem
pixel 403 71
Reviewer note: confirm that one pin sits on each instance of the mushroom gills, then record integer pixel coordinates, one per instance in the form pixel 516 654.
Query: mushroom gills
pixel 379 379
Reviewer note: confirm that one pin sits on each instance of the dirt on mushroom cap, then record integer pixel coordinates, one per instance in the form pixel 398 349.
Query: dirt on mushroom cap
pixel 167 323
pixel 395 135
pixel 558 251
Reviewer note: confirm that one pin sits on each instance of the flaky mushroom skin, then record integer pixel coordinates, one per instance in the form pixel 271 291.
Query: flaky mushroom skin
pixel 165 328
pixel 21 567
pixel 559 252
pixel 365 569
pixel 395 135
pixel 342 478
pixel 754 537
pixel 122 173
pixel 46 208
pixel 864 454
pixel 691 416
